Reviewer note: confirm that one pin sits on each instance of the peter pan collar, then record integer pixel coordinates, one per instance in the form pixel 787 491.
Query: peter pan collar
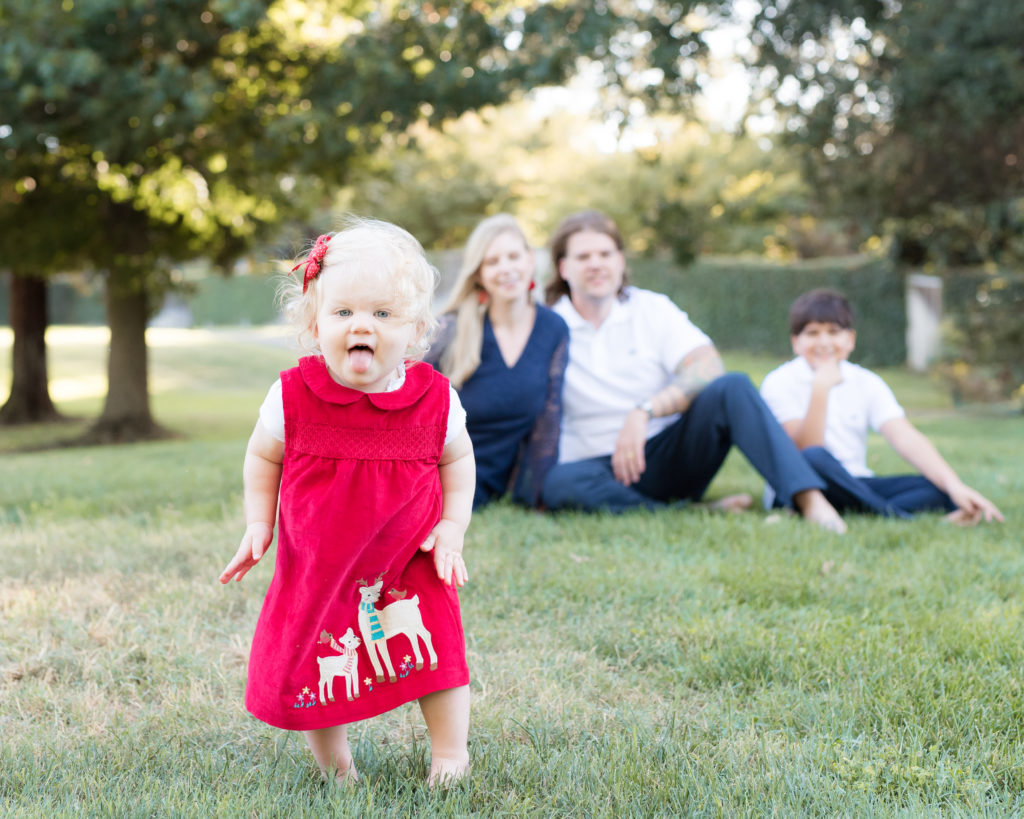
pixel 418 377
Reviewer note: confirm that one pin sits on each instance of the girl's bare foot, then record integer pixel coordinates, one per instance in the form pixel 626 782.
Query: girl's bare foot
pixel 446 772
pixel 816 509
pixel 342 774
pixel 332 754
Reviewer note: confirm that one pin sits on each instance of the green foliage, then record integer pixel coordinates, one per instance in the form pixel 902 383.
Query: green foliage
pixel 911 114
pixel 165 133
pixel 984 357
pixel 429 182
pixel 214 119
pixel 693 191
pixel 744 304
pixel 678 663
pixel 715 193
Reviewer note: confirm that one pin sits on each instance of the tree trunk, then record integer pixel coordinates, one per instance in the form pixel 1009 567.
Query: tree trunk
pixel 126 416
pixel 29 401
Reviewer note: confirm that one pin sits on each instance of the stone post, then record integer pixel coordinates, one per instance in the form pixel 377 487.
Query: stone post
pixel 924 313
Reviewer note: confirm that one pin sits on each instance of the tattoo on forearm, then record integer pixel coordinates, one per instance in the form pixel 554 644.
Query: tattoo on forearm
pixel 692 377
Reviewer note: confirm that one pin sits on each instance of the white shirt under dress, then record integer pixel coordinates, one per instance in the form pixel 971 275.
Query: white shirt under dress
pixel 612 368
pixel 861 401
pixel 272 409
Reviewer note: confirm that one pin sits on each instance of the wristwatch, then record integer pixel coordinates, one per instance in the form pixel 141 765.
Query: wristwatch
pixel 647 407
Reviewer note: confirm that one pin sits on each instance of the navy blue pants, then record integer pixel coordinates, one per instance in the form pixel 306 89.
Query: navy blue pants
pixel 683 458
pixel 897 496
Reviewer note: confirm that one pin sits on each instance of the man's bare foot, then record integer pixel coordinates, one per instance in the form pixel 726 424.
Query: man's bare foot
pixel 816 509
pixel 732 503
pixel 446 772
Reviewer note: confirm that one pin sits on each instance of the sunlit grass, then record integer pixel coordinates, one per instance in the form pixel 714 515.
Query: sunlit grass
pixel 194 395
pixel 680 663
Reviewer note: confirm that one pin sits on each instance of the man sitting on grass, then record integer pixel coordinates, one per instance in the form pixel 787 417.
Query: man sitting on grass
pixel 649 413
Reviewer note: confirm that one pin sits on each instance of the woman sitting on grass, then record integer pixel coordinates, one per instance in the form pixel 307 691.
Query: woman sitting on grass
pixel 505 354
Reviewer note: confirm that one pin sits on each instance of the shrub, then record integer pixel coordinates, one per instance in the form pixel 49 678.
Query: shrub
pixel 984 335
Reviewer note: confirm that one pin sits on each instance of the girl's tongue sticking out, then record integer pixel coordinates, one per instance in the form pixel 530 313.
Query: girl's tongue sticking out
pixel 360 357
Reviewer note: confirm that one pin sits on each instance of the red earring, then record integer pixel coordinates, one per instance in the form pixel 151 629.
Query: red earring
pixel 481 297
pixel 533 284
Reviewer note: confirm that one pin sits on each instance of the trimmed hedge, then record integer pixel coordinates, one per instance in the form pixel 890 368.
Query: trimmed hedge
pixel 76 302
pixel 744 304
pixel 221 300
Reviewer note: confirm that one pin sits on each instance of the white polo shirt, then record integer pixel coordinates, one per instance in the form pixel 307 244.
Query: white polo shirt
pixel 862 400
pixel 614 367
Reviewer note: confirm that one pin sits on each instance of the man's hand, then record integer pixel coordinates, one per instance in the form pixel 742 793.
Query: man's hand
pixel 628 462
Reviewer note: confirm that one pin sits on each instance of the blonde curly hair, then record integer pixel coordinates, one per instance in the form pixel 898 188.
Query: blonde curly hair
pixel 369 248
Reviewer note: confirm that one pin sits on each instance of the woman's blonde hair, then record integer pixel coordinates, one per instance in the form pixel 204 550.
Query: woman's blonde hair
pixel 367 247
pixel 460 360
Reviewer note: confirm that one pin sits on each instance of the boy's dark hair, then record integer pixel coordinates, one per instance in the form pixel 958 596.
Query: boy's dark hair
pixel 823 305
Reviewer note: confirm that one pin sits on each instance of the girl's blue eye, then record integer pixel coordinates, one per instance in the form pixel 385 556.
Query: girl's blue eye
pixel 344 312
pixel 382 314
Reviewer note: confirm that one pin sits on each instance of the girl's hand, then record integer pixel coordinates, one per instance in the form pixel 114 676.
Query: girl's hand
pixel 254 545
pixel 445 540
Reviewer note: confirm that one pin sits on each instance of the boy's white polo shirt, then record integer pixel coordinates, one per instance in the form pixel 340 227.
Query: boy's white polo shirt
pixel 861 401
pixel 614 367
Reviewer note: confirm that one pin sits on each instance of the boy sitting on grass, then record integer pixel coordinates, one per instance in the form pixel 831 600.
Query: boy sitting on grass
pixel 826 405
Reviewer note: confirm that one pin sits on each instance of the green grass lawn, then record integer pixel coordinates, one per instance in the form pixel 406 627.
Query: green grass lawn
pixel 646 664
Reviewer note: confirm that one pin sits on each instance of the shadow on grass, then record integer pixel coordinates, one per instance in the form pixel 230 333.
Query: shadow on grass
pixel 67 432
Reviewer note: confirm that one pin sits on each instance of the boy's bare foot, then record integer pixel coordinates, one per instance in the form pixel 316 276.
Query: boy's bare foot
pixel 732 503
pixel 446 772
pixel 816 509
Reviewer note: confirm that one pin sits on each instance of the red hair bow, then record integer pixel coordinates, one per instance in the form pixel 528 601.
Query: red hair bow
pixel 314 261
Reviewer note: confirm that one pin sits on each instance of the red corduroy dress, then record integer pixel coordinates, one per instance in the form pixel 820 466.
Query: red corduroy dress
pixel 356 621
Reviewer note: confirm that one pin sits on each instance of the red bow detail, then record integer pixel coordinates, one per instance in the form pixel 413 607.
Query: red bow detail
pixel 314 261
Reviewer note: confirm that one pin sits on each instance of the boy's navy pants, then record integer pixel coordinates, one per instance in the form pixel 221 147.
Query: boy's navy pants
pixel 897 496
pixel 683 459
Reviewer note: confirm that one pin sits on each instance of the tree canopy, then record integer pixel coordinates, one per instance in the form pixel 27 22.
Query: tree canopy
pixel 912 113
pixel 187 127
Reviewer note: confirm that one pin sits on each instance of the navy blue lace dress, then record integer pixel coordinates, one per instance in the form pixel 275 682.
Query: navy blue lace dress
pixel 513 413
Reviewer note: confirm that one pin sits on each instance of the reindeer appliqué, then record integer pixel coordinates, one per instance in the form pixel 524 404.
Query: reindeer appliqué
pixel 378 625
pixel 345 664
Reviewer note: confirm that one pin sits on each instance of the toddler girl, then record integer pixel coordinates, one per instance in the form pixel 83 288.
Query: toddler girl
pixel 367 449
